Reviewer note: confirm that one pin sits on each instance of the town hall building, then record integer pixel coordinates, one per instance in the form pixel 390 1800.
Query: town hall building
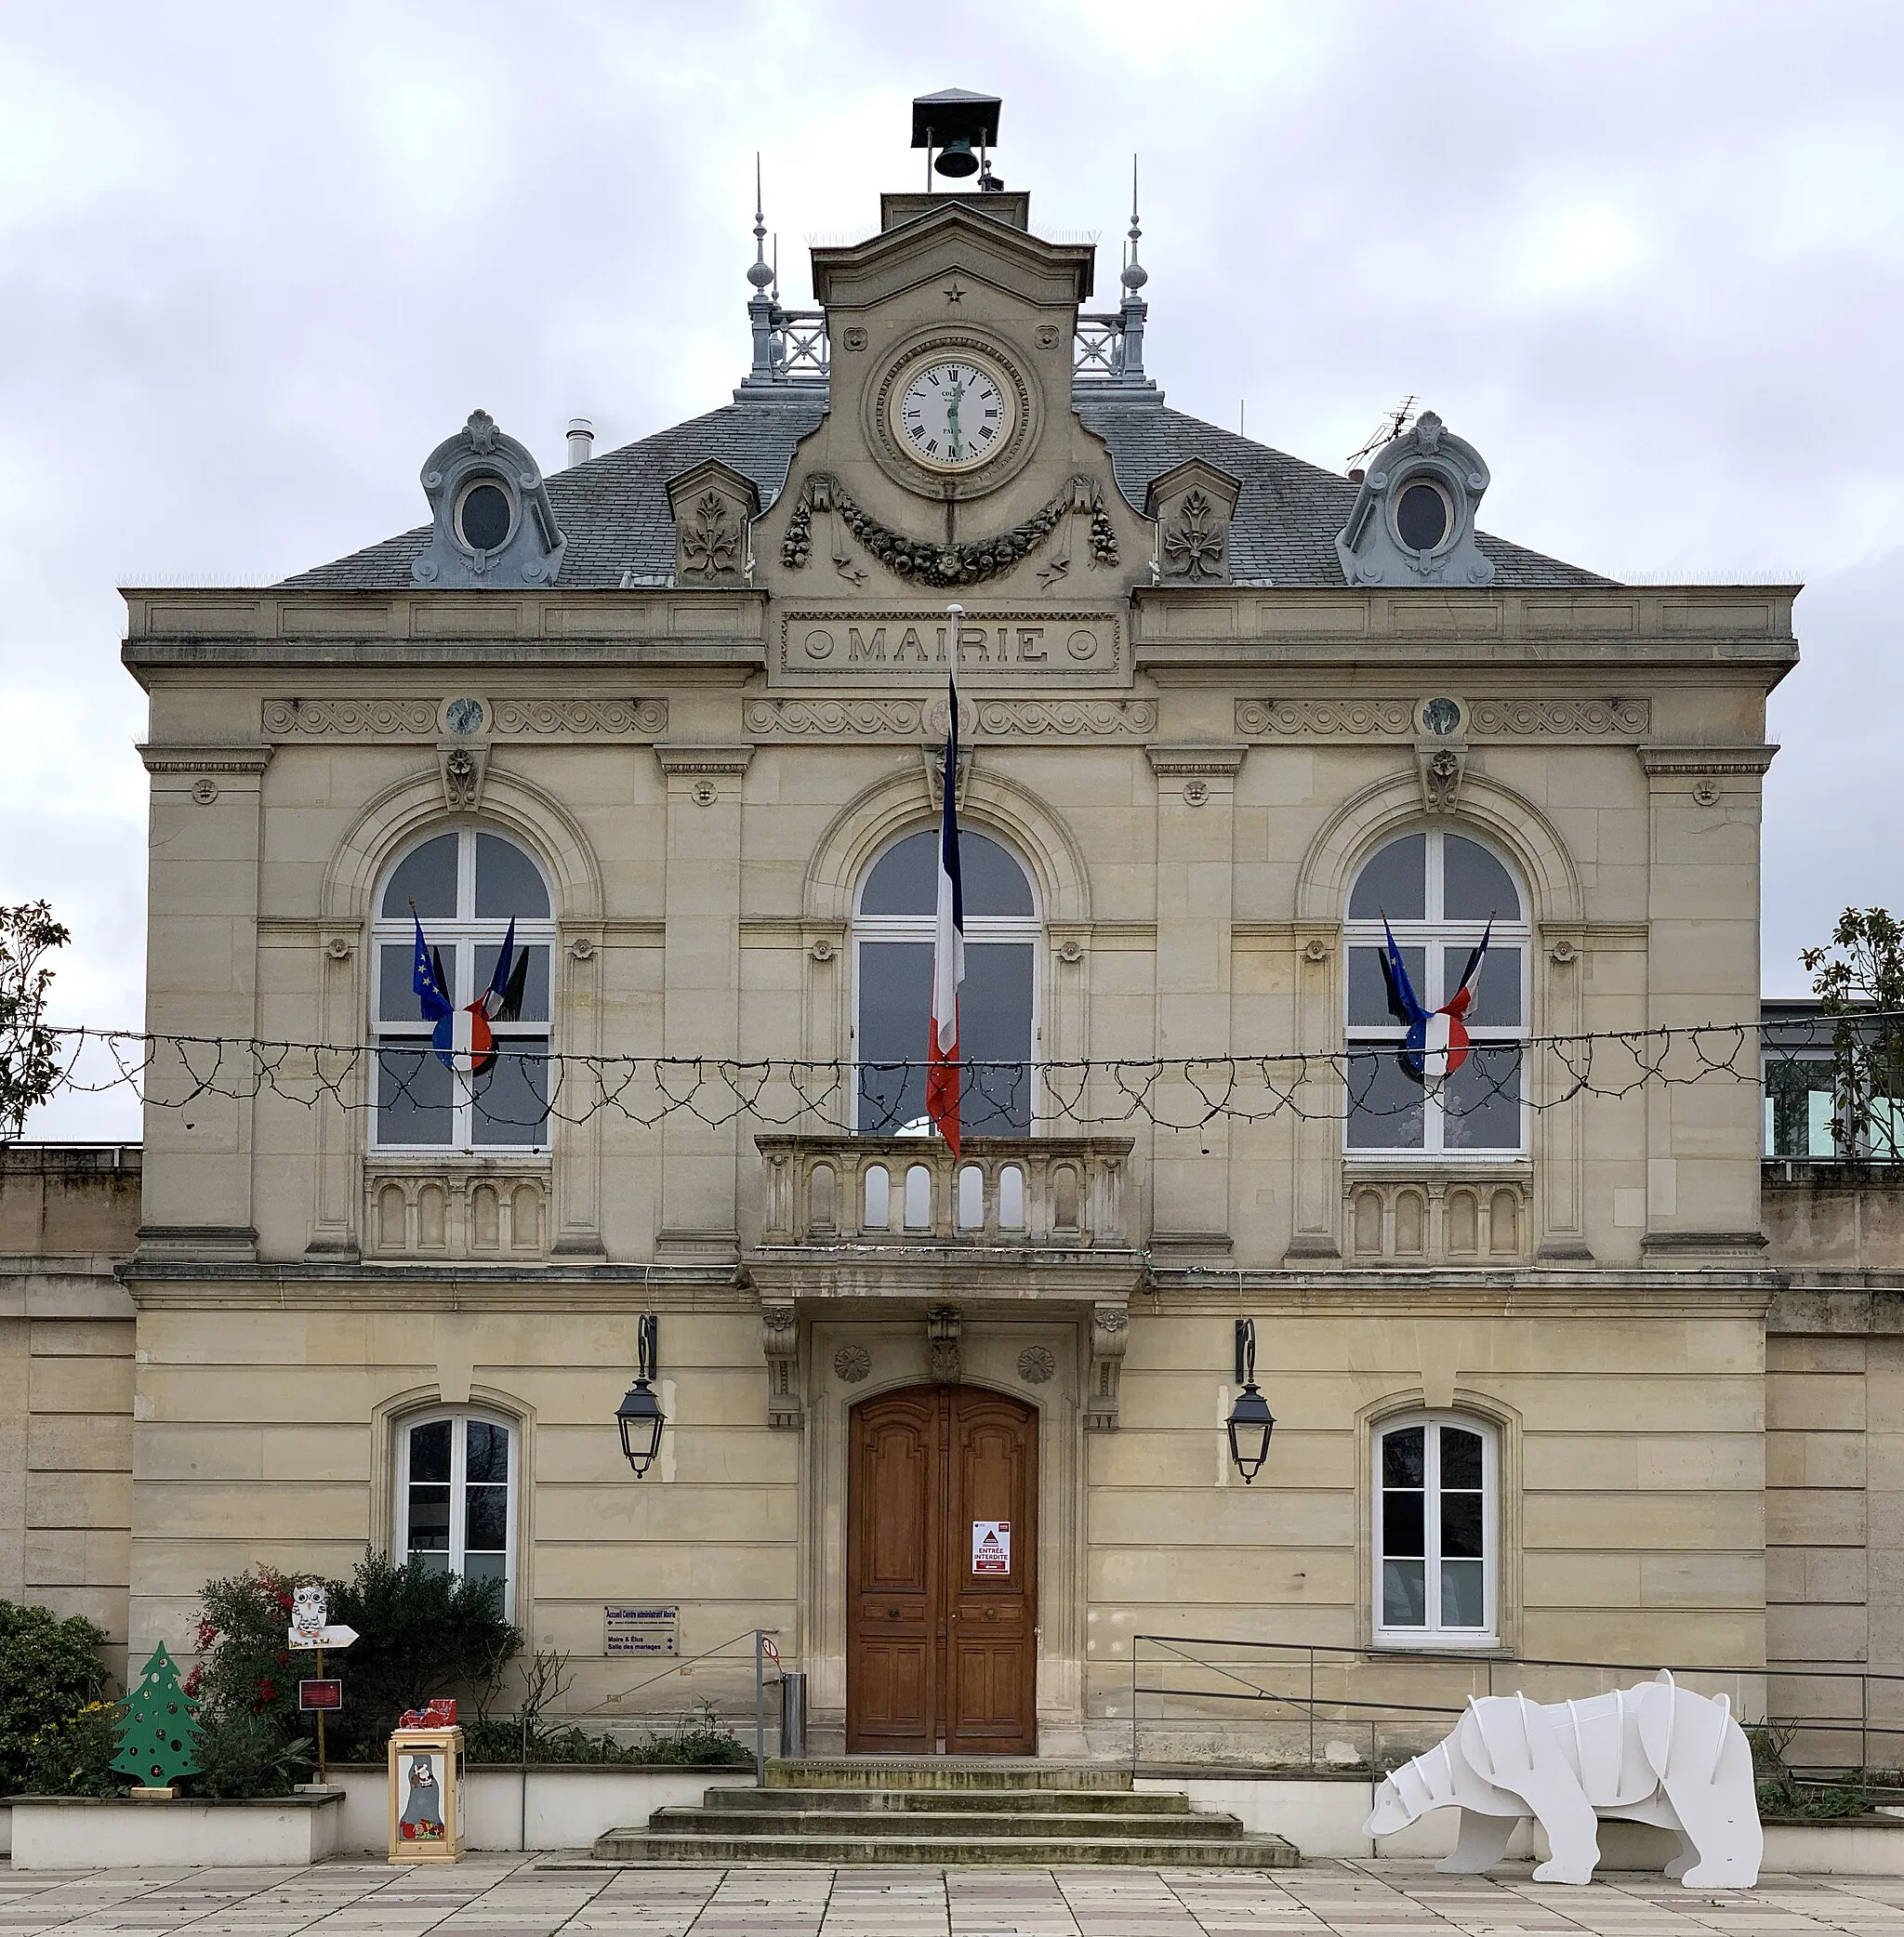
pixel 1559 1368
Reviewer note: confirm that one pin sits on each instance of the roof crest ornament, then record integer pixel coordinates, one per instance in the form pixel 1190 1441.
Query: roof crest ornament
pixel 1110 345
pixel 790 349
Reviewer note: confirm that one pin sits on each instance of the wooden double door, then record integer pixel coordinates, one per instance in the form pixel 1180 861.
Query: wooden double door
pixel 941 1573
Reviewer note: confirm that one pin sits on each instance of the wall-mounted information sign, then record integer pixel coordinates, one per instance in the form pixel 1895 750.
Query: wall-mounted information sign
pixel 639 1628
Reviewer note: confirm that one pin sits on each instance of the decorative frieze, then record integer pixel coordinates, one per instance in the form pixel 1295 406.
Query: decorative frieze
pixel 1398 720
pixel 425 719
pixel 915 719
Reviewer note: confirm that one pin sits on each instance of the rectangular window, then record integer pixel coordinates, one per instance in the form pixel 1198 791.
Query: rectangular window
pixel 456 1497
pixel 1435 1522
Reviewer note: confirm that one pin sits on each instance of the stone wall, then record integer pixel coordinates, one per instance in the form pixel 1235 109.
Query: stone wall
pixel 68 1214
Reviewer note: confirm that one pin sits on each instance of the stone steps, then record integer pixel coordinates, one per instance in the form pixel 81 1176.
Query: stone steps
pixel 941 1811
pixel 1094 1802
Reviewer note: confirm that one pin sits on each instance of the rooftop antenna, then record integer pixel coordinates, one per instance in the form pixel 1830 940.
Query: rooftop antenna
pixel 1385 432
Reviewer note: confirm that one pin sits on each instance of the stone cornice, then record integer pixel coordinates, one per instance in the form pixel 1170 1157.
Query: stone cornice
pixel 703 760
pixel 1176 761
pixel 239 758
pixel 1660 758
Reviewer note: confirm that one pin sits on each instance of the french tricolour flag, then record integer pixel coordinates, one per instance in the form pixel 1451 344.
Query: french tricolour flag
pixel 462 1038
pixel 948 942
pixel 1437 1044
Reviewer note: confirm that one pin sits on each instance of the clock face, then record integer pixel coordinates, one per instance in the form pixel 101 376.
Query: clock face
pixel 953 415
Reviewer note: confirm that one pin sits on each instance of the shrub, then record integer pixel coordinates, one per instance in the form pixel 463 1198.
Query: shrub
pixel 49 1671
pixel 75 1757
pixel 420 1633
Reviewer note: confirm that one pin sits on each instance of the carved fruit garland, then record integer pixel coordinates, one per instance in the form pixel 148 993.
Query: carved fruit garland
pixel 921 561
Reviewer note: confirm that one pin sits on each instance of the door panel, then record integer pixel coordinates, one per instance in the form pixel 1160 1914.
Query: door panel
pixel 891 1577
pixel 935 1649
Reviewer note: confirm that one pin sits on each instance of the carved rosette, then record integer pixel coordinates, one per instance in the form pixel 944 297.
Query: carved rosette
pixel 780 1343
pixel 853 1364
pixel 1036 1365
pixel 463 769
pixel 1110 1328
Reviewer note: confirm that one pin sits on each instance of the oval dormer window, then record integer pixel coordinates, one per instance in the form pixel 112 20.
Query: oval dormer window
pixel 485 514
pixel 1423 514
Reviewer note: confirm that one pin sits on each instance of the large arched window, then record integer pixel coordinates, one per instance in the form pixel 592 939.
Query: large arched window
pixel 893 987
pixel 1437 1544
pixel 464 887
pixel 1437 891
pixel 456 1495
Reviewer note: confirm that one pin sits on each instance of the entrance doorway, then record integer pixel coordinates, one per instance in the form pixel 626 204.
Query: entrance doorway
pixel 941 1573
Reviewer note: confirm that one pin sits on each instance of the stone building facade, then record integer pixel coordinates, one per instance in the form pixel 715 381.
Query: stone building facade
pixel 670 716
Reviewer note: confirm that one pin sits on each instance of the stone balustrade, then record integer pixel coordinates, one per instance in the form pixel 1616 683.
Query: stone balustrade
pixel 430 1209
pixel 1066 1192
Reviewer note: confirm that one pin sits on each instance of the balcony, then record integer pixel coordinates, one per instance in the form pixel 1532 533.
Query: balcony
pixel 1003 1194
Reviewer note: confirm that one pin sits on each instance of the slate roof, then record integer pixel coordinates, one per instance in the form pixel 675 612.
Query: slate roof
pixel 615 508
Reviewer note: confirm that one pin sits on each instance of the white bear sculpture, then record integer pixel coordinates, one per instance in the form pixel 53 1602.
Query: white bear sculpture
pixel 1656 1753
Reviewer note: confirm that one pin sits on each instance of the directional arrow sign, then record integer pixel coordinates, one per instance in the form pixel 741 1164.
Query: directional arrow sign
pixel 338 1637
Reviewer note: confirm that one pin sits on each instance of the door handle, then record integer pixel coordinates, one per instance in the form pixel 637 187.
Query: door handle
pixel 892 1614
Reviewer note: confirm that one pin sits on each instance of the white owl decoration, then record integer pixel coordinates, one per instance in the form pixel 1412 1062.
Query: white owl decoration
pixel 307 1615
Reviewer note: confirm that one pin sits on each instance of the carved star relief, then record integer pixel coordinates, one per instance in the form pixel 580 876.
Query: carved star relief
pixel 954 293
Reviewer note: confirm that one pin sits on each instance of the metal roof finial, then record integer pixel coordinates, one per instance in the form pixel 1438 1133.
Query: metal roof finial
pixel 1135 274
pixel 759 275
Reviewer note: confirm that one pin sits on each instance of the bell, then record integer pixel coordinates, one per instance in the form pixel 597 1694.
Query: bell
pixel 957 158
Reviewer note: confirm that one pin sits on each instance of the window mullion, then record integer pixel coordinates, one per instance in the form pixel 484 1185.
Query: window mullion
pixel 459 1443
pixel 1431 1540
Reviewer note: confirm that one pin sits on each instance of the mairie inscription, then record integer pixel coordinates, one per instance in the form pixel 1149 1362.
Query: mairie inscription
pixel 917 647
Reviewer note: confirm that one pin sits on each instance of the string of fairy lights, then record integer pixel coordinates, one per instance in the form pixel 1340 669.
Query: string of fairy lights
pixel 522 1092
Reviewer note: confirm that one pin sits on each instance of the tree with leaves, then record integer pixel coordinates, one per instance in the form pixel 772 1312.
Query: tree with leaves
pixel 1858 977
pixel 31 1065
pixel 158 1734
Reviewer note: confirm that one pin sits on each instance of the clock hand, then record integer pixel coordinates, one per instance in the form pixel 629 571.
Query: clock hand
pixel 953 399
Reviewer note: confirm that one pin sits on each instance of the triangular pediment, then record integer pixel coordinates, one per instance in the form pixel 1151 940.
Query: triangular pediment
pixel 953 234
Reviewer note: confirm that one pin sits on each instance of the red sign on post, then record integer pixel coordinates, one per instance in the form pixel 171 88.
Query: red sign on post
pixel 322 1697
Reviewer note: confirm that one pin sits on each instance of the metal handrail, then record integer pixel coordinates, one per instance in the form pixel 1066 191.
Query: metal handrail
pixel 1351 1709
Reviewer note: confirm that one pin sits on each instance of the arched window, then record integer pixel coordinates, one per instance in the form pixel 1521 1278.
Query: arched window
pixel 1436 1512
pixel 464 887
pixel 457 1493
pixel 1438 892
pixel 893 987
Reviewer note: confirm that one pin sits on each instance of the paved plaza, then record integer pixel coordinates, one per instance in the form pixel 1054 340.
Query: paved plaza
pixel 511 1897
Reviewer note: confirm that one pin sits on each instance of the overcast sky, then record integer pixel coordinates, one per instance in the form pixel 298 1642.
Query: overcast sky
pixel 255 261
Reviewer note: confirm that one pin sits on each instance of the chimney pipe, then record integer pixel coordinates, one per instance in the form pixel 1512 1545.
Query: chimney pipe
pixel 581 441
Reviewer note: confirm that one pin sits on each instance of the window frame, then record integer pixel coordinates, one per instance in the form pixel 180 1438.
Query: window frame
pixel 1433 934
pixel 459 1416
pixel 464 934
pixel 1433 1634
pixel 979 928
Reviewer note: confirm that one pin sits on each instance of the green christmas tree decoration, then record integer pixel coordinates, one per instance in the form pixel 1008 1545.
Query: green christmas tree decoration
pixel 158 1738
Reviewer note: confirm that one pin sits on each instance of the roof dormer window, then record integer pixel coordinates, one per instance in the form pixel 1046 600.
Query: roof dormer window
pixel 1423 514
pixel 485 515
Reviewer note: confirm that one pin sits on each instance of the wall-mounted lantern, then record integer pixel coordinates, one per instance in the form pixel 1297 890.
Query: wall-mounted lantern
pixel 640 1415
pixel 1250 1421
